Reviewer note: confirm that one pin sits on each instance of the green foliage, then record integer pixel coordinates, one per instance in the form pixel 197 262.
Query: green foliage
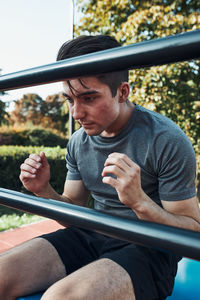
pixel 11 157
pixel 172 90
pixel 15 219
pixel 51 113
pixel 138 20
pixel 34 137
pixel 3 113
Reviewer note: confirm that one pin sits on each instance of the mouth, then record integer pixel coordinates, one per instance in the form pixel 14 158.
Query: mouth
pixel 87 124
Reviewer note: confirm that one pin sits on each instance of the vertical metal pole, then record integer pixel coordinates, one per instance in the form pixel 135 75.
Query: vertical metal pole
pixel 71 120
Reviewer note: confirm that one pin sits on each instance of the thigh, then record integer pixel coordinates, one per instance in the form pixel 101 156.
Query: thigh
pixel 30 267
pixel 100 280
pixel 76 247
pixel 152 271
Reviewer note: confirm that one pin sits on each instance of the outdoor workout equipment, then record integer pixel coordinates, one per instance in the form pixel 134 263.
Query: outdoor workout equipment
pixel 180 241
pixel 180 47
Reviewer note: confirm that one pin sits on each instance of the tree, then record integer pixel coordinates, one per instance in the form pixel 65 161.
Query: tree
pixel 51 113
pixel 173 89
pixel 27 109
pixel 56 109
pixel 3 113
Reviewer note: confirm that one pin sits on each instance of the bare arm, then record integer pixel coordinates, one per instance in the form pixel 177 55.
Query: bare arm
pixel 184 214
pixel 35 176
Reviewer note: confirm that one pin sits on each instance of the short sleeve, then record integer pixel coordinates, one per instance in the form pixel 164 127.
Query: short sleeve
pixel 73 172
pixel 177 169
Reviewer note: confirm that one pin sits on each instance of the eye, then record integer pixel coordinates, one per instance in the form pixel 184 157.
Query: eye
pixel 89 98
pixel 69 100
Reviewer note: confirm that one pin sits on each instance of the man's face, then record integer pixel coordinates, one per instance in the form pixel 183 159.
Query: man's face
pixel 92 105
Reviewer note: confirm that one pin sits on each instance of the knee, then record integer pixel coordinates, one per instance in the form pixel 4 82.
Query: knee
pixel 68 290
pixel 7 290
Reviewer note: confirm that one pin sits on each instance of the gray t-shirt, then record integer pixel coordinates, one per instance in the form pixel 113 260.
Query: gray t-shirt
pixel 161 149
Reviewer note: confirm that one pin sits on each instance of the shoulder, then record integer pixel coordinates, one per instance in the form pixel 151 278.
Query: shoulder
pixel 155 118
pixel 166 143
pixel 77 142
pixel 159 127
pixel 77 137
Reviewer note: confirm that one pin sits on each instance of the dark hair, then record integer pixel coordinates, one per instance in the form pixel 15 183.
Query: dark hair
pixel 89 44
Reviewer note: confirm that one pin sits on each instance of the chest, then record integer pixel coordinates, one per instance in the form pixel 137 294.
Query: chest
pixel 91 164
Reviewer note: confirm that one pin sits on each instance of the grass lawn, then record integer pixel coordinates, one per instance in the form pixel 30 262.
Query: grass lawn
pixel 11 218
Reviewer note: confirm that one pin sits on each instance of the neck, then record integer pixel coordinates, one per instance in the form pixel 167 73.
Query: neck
pixel 122 120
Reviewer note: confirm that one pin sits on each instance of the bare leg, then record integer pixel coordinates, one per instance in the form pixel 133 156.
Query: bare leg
pixel 30 267
pixel 100 280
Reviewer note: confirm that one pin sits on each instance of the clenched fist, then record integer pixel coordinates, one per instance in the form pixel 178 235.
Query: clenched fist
pixel 35 173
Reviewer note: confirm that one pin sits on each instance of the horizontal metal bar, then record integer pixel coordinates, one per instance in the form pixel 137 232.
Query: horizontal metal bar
pixel 180 47
pixel 180 241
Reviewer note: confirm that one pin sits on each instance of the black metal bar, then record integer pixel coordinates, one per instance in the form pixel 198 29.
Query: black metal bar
pixel 160 51
pixel 180 241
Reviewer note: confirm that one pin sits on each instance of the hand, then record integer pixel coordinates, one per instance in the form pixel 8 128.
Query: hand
pixel 35 173
pixel 127 182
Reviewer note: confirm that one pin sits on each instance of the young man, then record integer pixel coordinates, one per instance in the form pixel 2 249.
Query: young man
pixel 136 164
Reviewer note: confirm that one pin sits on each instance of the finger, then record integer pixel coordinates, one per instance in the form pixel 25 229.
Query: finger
pixel 110 180
pixel 26 175
pixel 114 170
pixel 35 157
pixel 121 157
pixel 117 161
pixel 43 159
pixel 27 168
pixel 32 163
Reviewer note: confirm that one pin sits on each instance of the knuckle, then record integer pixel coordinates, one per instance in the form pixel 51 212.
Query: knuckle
pixel 116 160
pixel 109 179
pixel 137 169
pixel 113 168
pixel 123 156
pixel 133 175
pixel 33 156
pixel 21 176
pixel 27 160
pixel 23 167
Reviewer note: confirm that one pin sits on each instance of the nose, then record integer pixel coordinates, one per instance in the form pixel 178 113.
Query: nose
pixel 78 111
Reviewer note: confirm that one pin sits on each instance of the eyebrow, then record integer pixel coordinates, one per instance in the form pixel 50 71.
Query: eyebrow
pixel 92 92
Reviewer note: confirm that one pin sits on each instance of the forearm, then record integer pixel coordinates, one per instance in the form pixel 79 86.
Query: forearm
pixel 127 182
pixel 49 193
pixel 152 212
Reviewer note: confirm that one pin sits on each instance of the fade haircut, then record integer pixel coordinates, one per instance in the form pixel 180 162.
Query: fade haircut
pixel 90 44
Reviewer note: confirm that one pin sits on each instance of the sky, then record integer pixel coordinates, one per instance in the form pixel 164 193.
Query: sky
pixel 31 33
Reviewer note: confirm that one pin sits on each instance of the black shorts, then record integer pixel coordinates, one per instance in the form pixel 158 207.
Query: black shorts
pixel 152 271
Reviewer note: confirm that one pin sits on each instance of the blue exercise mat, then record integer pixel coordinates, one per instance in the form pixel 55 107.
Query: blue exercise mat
pixel 31 297
pixel 187 281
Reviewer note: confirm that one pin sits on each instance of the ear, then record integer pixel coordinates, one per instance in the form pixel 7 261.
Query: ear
pixel 123 92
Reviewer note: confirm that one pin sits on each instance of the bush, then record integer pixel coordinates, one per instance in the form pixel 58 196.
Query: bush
pixel 11 157
pixel 32 137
